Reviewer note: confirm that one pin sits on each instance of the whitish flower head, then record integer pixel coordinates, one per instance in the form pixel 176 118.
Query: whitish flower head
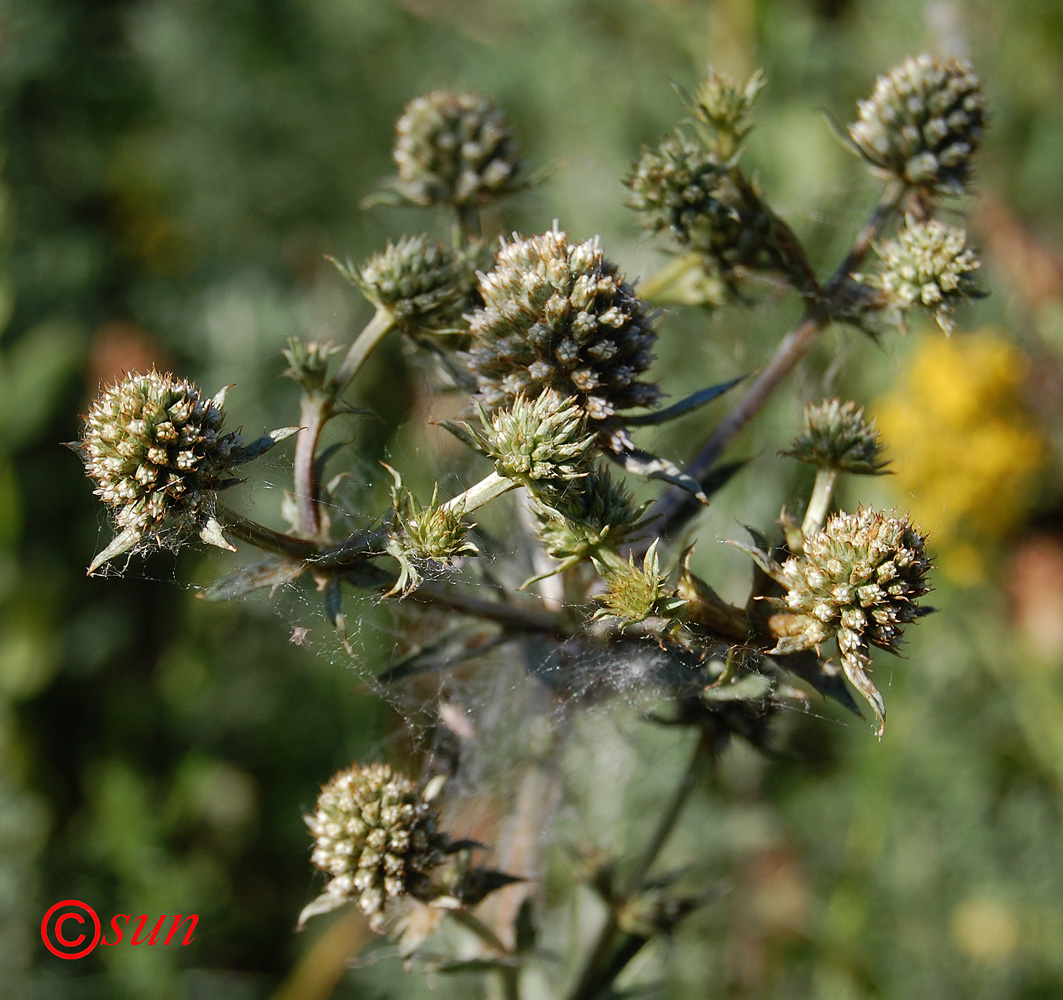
pixel 838 436
pixel 454 149
pixel 857 580
pixel 424 285
pixel 929 264
pixel 923 123
pixel 376 837
pixel 155 448
pixel 557 315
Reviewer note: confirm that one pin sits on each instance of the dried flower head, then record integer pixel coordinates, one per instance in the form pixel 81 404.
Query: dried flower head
pixel 454 149
pixel 377 837
pixel 928 264
pixel 157 453
pixel 857 580
pixel 424 285
pixel 557 315
pixel 838 436
pixel 923 123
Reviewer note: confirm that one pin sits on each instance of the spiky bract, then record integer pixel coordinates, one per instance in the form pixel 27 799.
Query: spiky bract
pixel 558 315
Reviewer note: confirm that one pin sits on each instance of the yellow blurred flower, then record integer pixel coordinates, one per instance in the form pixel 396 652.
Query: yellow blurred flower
pixel 965 448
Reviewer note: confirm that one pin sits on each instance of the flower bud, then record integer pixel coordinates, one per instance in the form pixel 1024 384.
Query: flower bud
pixel 838 436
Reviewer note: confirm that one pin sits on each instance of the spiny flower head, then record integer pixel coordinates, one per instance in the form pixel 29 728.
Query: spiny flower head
pixel 684 188
pixel 454 149
pixel 557 315
pixel 856 580
pixel 156 450
pixel 838 436
pixel 540 439
pixel 679 187
pixel 923 123
pixel 377 838
pixel 424 285
pixel 574 519
pixel 928 264
pixel 635 593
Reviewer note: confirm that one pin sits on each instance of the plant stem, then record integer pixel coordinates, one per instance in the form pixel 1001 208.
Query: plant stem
pixel 491 487
pixel 673 509
pixel 508 974
pixel 600 969
pixel 364 345
pixel 819 502
pixel 314 412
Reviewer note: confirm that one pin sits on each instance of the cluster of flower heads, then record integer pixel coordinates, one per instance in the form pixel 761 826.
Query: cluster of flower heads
pixel 923 123
pixel 692 187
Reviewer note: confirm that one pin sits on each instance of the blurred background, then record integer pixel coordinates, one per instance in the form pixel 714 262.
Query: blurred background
pixel 174 173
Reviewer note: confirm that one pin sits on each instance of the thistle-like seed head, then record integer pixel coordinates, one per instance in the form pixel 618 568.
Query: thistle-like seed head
pixel 838 436
pixel 424 285
pixel 454 149
pixel 679 187
pixel 377 838
pixel 557 315
pixel 157 453
pixel 923 123
pixel 858 579
pixel 544 439
pixel 929 264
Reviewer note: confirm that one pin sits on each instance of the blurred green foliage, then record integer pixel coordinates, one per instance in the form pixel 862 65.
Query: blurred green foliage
pixel 174 173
